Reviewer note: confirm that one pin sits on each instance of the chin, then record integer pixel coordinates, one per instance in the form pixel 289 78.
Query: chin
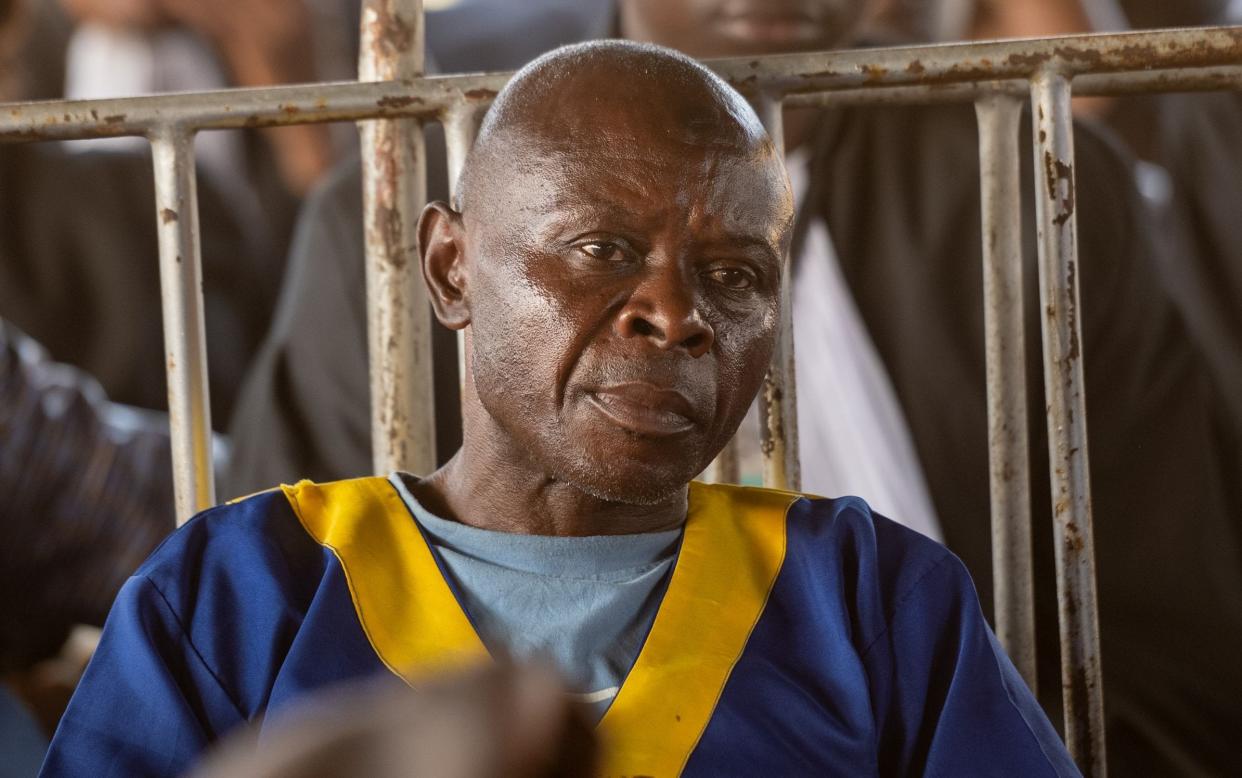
pixel 628 482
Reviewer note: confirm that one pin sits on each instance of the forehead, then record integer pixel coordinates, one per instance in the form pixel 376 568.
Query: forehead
pixel 639 184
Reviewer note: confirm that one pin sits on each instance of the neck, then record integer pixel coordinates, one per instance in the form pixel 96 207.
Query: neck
pixel 494 484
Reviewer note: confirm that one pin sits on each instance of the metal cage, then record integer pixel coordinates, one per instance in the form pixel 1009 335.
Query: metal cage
pixel 393 98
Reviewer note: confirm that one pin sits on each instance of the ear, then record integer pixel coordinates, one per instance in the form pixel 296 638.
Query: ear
pixel 441 245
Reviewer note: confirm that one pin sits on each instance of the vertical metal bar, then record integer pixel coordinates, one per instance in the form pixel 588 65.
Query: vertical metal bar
pixel 394 190
pixel 778 413
pixel 461 127
pixel 1005 339
pixel 726 467
pixel 1067 420
pixel 185 340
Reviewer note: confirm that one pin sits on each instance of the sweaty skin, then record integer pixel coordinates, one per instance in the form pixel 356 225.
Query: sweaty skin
pixel 616 265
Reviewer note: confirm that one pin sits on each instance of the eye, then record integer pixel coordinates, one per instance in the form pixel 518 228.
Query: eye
pixel 732 277
pixel 602 250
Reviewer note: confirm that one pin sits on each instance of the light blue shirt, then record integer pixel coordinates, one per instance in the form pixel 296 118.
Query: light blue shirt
pixel 584 603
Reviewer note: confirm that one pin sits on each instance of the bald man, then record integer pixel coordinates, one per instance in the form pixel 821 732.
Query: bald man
pixel 615 264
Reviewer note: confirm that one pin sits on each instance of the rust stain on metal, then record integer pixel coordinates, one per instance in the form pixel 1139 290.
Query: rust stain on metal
pixel 1056 172
pixel 115 118
pixel 874 73
pixel 480 94
pixel 1071 278
pixel 1073 537
pixel 1021 60
pixel 391 228
pixel 168 215
pixel 390 32
pixel 916 68
pixel 398 101
pixel 289 108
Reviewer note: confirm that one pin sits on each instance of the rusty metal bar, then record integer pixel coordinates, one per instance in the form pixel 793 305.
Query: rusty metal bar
pixel 394 190
pixel 1005 346
pixel 461 127
pixel 726 468
pixel 1086 85
pixel 185 338
pixel 778 410
pixel 1057 223
pixel 788 74
pixel 1166 60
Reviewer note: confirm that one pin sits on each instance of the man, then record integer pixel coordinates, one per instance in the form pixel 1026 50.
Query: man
pixel 615 262
pixel 888 272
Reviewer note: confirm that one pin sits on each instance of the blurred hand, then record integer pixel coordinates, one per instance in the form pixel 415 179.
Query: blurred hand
pixel 498 721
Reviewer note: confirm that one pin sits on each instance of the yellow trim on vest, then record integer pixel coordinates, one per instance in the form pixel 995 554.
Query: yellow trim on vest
pixel 733 549
pixel 405 606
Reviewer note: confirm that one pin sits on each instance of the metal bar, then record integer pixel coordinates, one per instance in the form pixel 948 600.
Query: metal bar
pixel 1067 419
pixel 1168 60
pixel 185 339
pixel 778 410
pixel 461 127
pixel 726 468
pixel 1005 339
pixel 1225 77
pixel 786 74
pixel 394 191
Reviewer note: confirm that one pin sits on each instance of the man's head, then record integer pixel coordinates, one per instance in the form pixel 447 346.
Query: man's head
pixel 616 258
pixel 728 28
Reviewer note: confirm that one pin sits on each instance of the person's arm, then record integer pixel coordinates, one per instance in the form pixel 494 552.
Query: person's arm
pixel 85 494
pixel 948 701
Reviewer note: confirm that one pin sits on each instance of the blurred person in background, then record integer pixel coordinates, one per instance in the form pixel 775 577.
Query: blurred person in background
pixel 500 720
pixel 888 315
pixel 85 494
pixel 79 267
pixel 1188 164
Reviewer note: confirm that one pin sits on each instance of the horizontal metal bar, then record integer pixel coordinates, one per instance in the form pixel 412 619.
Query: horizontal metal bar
pixel 1071 55
pixel 423 98
pixel 1199 59
pixel 1087 85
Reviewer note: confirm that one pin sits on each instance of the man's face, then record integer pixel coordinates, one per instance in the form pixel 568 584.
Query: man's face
pixel 624 300
pixel 728 28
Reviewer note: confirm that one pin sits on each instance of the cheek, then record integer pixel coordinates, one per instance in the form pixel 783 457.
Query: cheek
pixel 745 348
pixel 525 331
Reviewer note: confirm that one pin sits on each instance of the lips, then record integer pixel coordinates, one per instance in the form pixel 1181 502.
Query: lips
pixel 644 408
pixel 770 24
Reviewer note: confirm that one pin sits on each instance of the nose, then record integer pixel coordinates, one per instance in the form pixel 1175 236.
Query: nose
pixel 662 310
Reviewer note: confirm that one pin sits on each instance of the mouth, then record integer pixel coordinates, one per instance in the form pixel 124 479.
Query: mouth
pixel 644 408
pixel 759 24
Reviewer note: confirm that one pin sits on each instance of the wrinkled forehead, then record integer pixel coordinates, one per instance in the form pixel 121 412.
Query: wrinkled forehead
pixel 629 179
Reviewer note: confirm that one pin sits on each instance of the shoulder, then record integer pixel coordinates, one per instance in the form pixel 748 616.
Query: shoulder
pixel 876 565
pixel 258 544
pixel 891 551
